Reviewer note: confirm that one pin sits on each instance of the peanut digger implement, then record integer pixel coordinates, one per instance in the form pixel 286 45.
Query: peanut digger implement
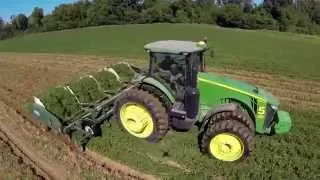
pixel 175 93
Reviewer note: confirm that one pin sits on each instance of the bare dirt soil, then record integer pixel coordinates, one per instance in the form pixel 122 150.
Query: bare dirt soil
pixel 11 161
pixel 23 75
pixel 37 154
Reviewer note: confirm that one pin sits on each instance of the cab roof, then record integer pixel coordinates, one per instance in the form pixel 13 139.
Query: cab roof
pixel 174 46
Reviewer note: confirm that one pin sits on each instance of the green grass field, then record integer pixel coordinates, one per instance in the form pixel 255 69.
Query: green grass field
pixel 291 156
pixel 294 155
pixel 275 52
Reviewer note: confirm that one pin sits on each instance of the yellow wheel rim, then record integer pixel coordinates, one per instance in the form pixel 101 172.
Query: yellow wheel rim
pixel 226 147
pixel 136 119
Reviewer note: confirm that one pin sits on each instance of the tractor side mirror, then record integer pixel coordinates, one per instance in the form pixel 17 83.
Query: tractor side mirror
pixel 211 51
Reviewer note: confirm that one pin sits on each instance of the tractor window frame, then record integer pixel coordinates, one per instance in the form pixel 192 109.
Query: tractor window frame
pixel 197 59
pixel 202 62
pixel 154 60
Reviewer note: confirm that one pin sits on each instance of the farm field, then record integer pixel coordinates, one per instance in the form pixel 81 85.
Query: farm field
pixel 47 156
pixel 11 165
pixel 265 51
pixel 245 55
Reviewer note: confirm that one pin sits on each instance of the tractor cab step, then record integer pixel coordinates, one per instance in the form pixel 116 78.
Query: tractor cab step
pixel 179 118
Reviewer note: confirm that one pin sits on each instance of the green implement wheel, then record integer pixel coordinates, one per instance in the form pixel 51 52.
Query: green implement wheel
pixel 142 115
pixel 227 140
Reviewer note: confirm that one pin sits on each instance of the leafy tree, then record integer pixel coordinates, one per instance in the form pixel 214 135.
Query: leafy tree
pixel 8 31
pixel 182 10
pixel 288 19
pixel 83 7
pixel 49 23
pixel 97 13
pixel 181 16
pixel 277 3
pixel 150 3
pixel 231 16
pixel 264 20
pixel 284 15
pixel 1 24
pixel 36 18
pixel 304 24
pixel 119 11
pixel 1 28
pixel 156 11
pixel 71 15
pixel 267 5
pixel 316 12
pixel 236 2
pixel 248 6
pixel 20 22
pixel 205 12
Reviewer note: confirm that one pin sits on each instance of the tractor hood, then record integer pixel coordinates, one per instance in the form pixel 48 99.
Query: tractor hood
pixel 237 86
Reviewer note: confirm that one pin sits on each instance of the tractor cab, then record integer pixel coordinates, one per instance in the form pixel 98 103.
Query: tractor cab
pixel 176 65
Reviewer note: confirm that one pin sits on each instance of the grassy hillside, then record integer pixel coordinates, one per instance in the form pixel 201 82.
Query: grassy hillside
pixel 283 53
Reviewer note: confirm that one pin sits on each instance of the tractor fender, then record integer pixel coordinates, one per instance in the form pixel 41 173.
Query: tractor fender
pixel 245 107
pixel 160 86
pixel 228 107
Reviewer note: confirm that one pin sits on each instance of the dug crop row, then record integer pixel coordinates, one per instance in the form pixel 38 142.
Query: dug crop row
pixel 18 152
pixel 92 159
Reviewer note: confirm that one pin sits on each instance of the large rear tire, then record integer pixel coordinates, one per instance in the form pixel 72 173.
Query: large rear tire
pixel 142 115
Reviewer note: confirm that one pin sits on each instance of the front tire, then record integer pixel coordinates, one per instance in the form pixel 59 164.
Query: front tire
pixel 142 115
pixel 227 140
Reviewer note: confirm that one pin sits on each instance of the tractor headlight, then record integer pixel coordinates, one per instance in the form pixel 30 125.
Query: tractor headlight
pixel 202 44
pixel 270 115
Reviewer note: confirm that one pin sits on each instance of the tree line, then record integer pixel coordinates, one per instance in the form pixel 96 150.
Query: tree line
pixel 302 16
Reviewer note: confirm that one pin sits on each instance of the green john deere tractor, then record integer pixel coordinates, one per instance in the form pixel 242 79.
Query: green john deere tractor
pixel 176 93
